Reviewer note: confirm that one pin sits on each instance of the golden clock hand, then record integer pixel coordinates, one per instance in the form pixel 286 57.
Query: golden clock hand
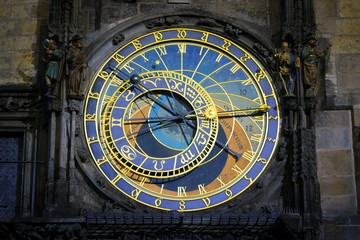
pixel 211 113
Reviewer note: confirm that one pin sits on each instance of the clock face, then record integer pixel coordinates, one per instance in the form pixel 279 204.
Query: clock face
pixel 181 119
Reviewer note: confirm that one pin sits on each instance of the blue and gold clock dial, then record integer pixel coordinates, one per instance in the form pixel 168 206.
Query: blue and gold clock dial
pixel 181 119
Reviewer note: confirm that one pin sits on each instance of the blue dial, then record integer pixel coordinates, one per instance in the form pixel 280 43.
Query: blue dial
pixel 181 119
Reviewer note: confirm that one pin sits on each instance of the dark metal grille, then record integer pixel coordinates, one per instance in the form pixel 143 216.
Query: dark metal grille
pixel 11 153
pixel 183 226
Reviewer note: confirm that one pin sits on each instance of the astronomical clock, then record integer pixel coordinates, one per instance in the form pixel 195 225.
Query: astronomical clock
pixel 180 118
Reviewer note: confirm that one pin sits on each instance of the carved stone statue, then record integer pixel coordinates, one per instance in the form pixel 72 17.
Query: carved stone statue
pixel 310 58
pixel 287 74
pixel 76 67
pixel 53 57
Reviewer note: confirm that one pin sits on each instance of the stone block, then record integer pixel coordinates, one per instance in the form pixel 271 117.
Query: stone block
pixel 348 8
pixel 325 8
pixel 326 25
pixel 334 163
pixel 338 206
pixel 348 62
pixel 337 186
pixel 333 119
pixel 333 138
pixel 348 26
pixel 345 44
pixel 349 81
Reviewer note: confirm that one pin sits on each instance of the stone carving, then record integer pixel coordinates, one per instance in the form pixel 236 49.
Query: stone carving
pixel 52 58
pixel 208 22
pixel 234 31
pixel 286 67
pixel 310 57
pixel 76 67
pixel 118 38
pixel 164 21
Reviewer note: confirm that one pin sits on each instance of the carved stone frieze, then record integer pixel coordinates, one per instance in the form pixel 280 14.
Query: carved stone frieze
pixel 17 104
pixel 164 21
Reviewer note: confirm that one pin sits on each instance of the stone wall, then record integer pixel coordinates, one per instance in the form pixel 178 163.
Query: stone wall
pixel 338 22
pixel 20 25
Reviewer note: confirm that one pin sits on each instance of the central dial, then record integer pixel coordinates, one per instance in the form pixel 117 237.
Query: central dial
pixel 156 126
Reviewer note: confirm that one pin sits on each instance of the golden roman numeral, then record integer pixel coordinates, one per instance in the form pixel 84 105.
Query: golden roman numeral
pixel 162 50
pixel 201 188
pixel 237 169
pixel 182 48
pixel 181 191
pixel 256 137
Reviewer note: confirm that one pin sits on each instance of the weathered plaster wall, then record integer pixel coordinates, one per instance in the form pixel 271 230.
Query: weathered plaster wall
pixel 20 25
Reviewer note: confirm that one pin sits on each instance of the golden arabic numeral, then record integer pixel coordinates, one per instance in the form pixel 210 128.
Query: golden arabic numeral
pixel 228 193
pixel 262 160
pixel 226 45
pixel 104 75
pixel 101 160
pixel 158 36
pixel 182 205
pixel 244 58
pixel 205 36
pixel 135 193
pixel 137 44
pixel 181 34
pixel 158 202
pixel 118 58
pixel 259 75
pixel 207 201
